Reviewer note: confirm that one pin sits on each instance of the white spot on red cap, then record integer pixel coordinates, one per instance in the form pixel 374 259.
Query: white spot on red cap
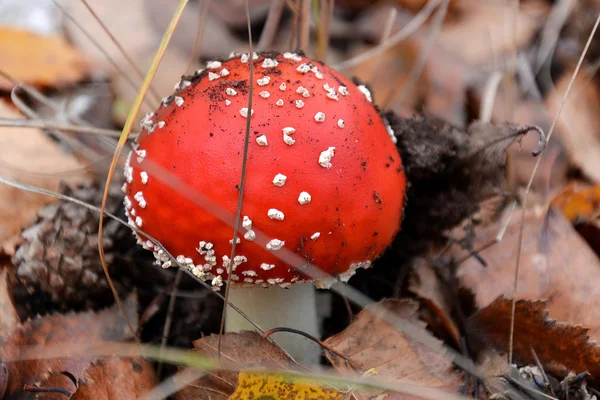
pixel 249 272
pixel 266 266
pixel 212 76
pixel 227 102
pixel 320 116
pixel 275 244
pixel 325 157
pixel 341 123
pixel 213 64
pixel 263 81
pixel 282 86
pixel 141 154
pixel 274 213
pixel 139 197
pixel 250 235
pixel 303 91
pixel 144 177
pixel 279 103
pixel 279 180
pixel 244 58
pixel 224 72
pixel 304 68
pixel 292 56
pixel 127 202
pixel 299 104
pixel 264 94
pixel 237 241
pixel 231 91
pixel 288 130
pixel 269 63
pixel 366 92
pixel 246 222
pixel 262 140
pixel 161 124
pixel 343 91
pixel 315 236
pixel 178 101
pixel 288 140
pixel 244 112
pixel 217 281
pixel 304 198
pixel 132 212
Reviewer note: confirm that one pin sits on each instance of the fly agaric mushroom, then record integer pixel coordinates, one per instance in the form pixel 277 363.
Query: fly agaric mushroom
pixel 324 178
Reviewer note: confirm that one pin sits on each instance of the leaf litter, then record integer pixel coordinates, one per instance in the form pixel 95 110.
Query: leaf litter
pixel 448 187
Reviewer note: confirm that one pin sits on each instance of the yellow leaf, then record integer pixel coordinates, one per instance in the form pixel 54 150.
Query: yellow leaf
pixel 263 386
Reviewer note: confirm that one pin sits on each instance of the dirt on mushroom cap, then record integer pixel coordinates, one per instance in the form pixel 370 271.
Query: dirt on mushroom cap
pixel 323 177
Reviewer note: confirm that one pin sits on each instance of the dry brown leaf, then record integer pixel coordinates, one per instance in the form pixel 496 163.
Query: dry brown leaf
pixel 556 265
pixel 388 73
pixel 43 61
pixel 9 319
pixel 427 286
pixel 239 350
pixel 115 378
pixel 70 329
pixel 487 30
pixel 371 343
pixel 578 123
pixel 560 347
pixel 29 156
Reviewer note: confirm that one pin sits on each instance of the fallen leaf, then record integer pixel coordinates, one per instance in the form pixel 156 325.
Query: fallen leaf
pixel 578 122
pixel 42 61
pixel 9 319
pixel 29 156
pixel 561 347
pixel 115 378
pixel 71 329
pixel 239 350
pixel 556 265
pixel 579 206
pixel 488 30
pixel 256 385
pixel 371 344
pixel 426 285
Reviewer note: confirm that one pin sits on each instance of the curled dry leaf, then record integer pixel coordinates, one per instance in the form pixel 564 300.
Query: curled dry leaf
pixel 39 60
pixel 115 378
pixel 556 265
pixel 578 122
pixel 372 344
pixel 29 156
pixel 434 295
pixel 560 347
pixel 67 330
pixel 239 350
pixel 9 319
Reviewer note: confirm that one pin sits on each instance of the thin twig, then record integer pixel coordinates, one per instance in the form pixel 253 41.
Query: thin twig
pixel 124 53
pixel 398 37
pixel 267 36
pixel 308 336
pixel 100 48
pixel 304 25
pixel 36 389
pixel 169 318
pixel 489 96
pixel 123 139
pixel 529 184
pixel 195 55
pixel 387 31
pixel 47 124
pixel 238 212
pixel 419 65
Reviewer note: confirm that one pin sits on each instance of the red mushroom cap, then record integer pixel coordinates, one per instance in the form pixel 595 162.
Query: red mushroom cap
pixel 324 179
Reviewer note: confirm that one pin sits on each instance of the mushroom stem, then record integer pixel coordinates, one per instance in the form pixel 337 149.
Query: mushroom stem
pixel 274 307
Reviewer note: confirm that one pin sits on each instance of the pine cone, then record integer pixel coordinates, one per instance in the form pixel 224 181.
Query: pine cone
pixel 59 254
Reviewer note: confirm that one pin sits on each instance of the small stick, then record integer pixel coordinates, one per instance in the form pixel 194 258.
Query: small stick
pixel 308 336
pixel 36 389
